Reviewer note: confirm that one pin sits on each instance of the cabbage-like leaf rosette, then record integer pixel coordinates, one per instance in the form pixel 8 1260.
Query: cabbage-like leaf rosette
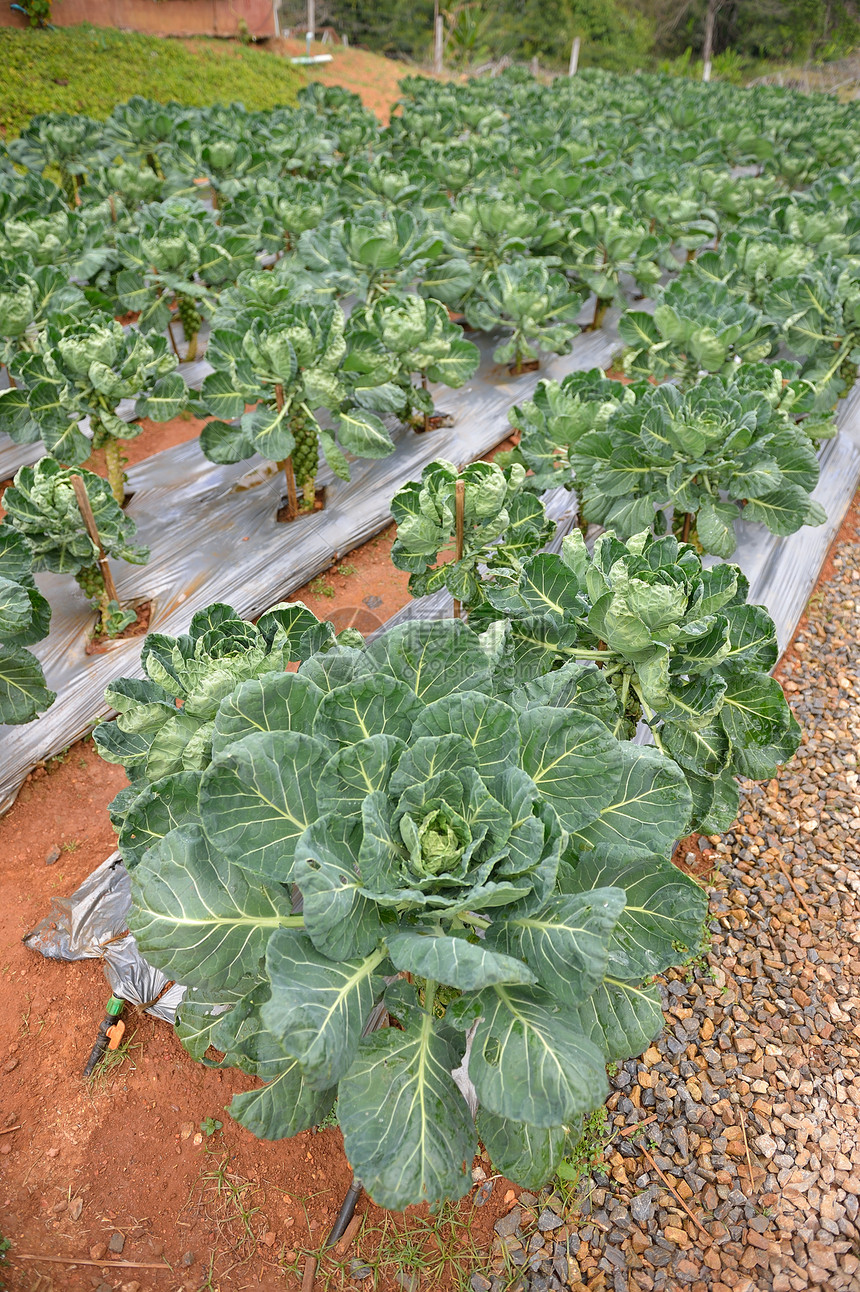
pixel 402 825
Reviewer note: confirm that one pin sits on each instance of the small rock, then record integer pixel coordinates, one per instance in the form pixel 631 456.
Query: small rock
pixel 508 1225
pixel 479 1284
pixel 642 1208
pixel 52 856
pixel 97 1251
pixel 11 1064
pixel 408 1281
pixel 76 1206
pixel 483 1193
pixel 548 1220
pixel 188 1259
pixel 133 1286
pixel 373 603
pixel 359 1270
pixel 117 1243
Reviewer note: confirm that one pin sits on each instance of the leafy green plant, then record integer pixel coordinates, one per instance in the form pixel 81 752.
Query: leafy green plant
pixel 31 297
pixel 704 454
pixel 369 253
pixel 819 313
pixel 288 363
pixel 405 336
pixel 61 239
pixel 538 308
pixel 71 142
pixel 696 327
pixel 41 506
pixel 677 646
pixel 605 242
pixel 483 232
pixel 463 849
pixel 24 619
pixel 176 258
pixel 87 369
pixel 501 526
pixel 165 723
pixel 559 415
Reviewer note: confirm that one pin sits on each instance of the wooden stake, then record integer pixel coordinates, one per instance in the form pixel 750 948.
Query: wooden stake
pixel 673 1190
pixel 79 1260
pixel 797 891
pixel 574 56
pixel 10 1129
pixel 460 507
pixel 287 464
pixel 83 500
pixel 685 533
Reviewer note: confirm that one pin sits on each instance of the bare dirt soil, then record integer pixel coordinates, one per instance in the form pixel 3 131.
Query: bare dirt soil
pixel 373 78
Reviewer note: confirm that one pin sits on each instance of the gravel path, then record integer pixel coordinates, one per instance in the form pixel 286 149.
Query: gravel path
pixel 756 1073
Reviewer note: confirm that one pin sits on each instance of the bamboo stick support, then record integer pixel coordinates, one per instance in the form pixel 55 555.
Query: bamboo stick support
pixel 460 507
pixel 83 501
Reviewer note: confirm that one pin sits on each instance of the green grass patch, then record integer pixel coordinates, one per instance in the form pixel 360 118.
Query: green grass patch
pixel 89 69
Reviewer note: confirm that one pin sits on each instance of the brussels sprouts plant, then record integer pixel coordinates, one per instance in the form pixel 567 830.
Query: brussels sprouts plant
pixel 678 647
pixel 482 233
pixel 558 416
pixel 537 307
pixel 85 370
pixel 31 297
pixel 289 363
pixel 696 327
pixel 369 253
pixel 24 619
pixel 409 335
pixel 42 507
pixel 819 311
pixel 483 859
pixel 605 242
pixel 704 453
pixel 165 723
pixel 177 257
pixel 500 526
pixel 70 142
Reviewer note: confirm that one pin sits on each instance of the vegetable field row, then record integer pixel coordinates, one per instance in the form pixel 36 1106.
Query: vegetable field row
pixel 453 825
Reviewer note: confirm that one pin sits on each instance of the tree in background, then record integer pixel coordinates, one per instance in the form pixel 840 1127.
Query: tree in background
pixel 621 35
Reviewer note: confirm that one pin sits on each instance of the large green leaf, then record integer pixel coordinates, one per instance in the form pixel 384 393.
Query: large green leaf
pixel 529 1061
pixel 649 810
pixel 23 693
pixel 488 724
pixel 259 796
pixel 758 722
pixel 430 657
pixel 283 1107
pixel 621 1019
pixel 528 1155
pixel 367 706
pixel 407 1130
pixel 566 943
pixel 274 702
pixel 318 1006
pixel 356 771
pixel 156 811
pixel 339 919
pixel 574 760
pixel 454 961
pixel 196 917
pixel 663 917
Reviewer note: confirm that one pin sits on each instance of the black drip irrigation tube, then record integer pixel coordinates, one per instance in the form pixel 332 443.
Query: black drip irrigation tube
pixel 338 1229
pixel 346 1213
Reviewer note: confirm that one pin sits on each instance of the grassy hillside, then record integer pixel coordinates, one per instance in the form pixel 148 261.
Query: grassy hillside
pixel 89 69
